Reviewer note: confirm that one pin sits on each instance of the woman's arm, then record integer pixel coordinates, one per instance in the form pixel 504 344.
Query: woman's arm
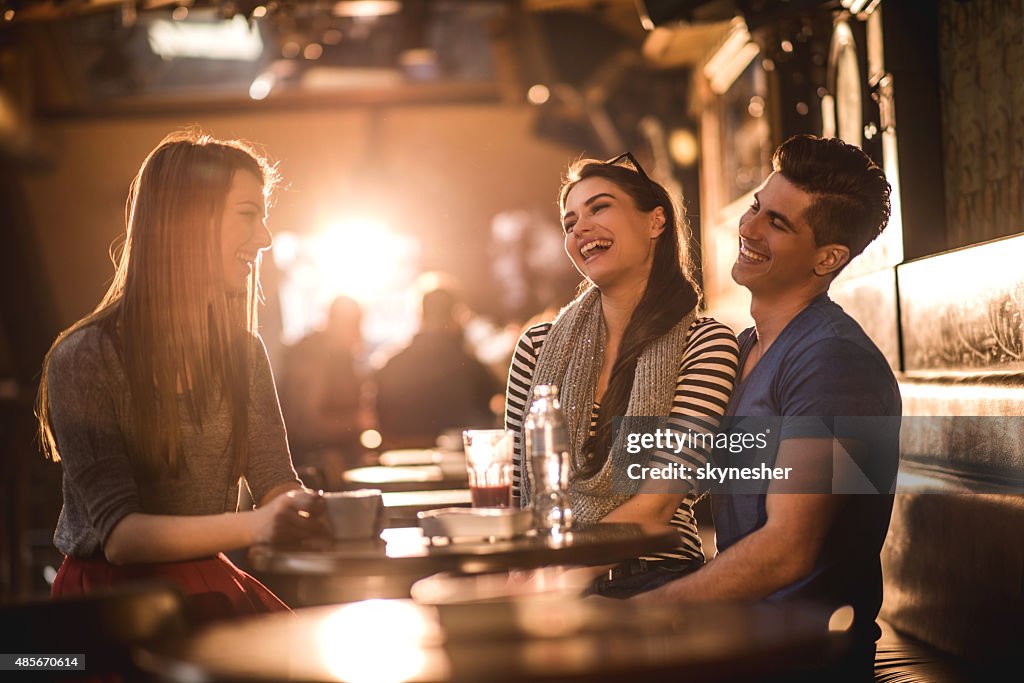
pixel 140 537
pixel 269 471
pixel 84 380
pixel 646 508
pixel 517 400
pixel 703 387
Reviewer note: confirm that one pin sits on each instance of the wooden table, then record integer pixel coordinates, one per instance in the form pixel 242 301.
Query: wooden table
pixel 406 477
pixel 328 572
pixel 401 507
pixel 521 640
pixel 422 456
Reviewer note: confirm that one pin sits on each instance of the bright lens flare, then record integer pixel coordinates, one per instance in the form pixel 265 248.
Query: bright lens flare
pixel 360 257
pixel 376 640
pixel 371 439
pixel 356 256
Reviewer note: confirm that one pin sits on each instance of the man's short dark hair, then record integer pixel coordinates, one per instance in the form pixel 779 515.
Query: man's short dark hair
pixel 851 195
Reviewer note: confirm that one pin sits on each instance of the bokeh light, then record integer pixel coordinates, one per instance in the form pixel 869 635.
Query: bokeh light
pixel 538 94
pixel 357 256
pixel 377 640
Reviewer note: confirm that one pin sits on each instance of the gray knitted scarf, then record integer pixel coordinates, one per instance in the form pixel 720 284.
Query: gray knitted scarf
pixel 571 359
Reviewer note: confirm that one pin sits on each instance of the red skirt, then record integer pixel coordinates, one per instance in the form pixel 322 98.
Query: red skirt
pixel 214 587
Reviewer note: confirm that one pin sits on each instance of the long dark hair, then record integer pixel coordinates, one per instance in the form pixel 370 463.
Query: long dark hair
pixel 670 295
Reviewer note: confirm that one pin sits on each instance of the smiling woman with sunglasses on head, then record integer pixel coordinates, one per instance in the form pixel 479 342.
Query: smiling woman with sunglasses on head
pixel 630 344
pixel 161 403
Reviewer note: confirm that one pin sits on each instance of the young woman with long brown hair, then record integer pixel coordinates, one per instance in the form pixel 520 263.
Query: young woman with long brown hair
pixel 160 404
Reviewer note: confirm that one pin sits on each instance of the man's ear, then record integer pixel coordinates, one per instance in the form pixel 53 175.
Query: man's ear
pixel 657 221
pixel 831 258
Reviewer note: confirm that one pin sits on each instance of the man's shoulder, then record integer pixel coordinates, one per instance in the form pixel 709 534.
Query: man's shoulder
pixel 743 336
pixel 396 360
pixel 826 346
pixel 824 328
pixel 426 350
pixel 836 366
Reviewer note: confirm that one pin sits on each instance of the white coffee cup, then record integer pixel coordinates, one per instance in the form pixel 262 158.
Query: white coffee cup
pixel 355 514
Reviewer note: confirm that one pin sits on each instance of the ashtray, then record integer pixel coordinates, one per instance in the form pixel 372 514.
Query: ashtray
pixel 475 522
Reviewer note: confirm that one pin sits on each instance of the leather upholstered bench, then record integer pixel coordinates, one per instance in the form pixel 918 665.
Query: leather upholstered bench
pixel 953 562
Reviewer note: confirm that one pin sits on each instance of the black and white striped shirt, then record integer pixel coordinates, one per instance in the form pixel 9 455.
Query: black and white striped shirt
pixel 706 376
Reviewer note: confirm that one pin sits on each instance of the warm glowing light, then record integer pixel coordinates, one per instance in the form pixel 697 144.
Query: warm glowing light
pixel 786 46
pixel 286 247
pixel 10 116
pixel 756 106
pixel 554 614
pixel 360 257
pixel 259 12
pixel 682 144
pixel 538 94
pixel 731 58
pixel 841 619
pixel 9 15
pixel 828 116
pixel 261 87
pixel 366 8
pixel 956 399
pixel 179 13
pixel 377 640
pixel 228 39
pixel 313 51
pixel 371 439
pixel 858 6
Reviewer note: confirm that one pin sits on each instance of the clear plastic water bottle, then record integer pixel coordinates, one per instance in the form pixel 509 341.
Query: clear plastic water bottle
pixel 547 447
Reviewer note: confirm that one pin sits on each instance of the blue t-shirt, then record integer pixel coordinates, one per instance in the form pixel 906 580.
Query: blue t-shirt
pixel 821 377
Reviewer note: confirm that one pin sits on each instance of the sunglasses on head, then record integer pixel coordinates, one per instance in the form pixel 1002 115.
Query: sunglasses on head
pixel 628 157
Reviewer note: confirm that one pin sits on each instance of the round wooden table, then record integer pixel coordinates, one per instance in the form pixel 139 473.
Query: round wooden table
pixel 406 477
pixel 402 506
pixel 521 640
pixel 406 550
pixel 423 456
pixel 330 572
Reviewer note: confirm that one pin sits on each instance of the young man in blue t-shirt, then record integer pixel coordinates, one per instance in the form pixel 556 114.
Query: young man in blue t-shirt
pixel 808 370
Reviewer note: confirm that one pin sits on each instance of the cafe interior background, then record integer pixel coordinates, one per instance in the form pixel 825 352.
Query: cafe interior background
pixel 431 135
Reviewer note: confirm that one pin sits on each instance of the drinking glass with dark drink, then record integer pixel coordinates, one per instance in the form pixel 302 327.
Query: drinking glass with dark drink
pixel 489 464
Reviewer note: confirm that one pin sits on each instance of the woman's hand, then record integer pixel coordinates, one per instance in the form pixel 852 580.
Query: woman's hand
pixel 291 517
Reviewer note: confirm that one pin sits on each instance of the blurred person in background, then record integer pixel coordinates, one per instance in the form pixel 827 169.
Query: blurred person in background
pixel 160 404
pixel 323 395
pixel 630 344
pixel 436 383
